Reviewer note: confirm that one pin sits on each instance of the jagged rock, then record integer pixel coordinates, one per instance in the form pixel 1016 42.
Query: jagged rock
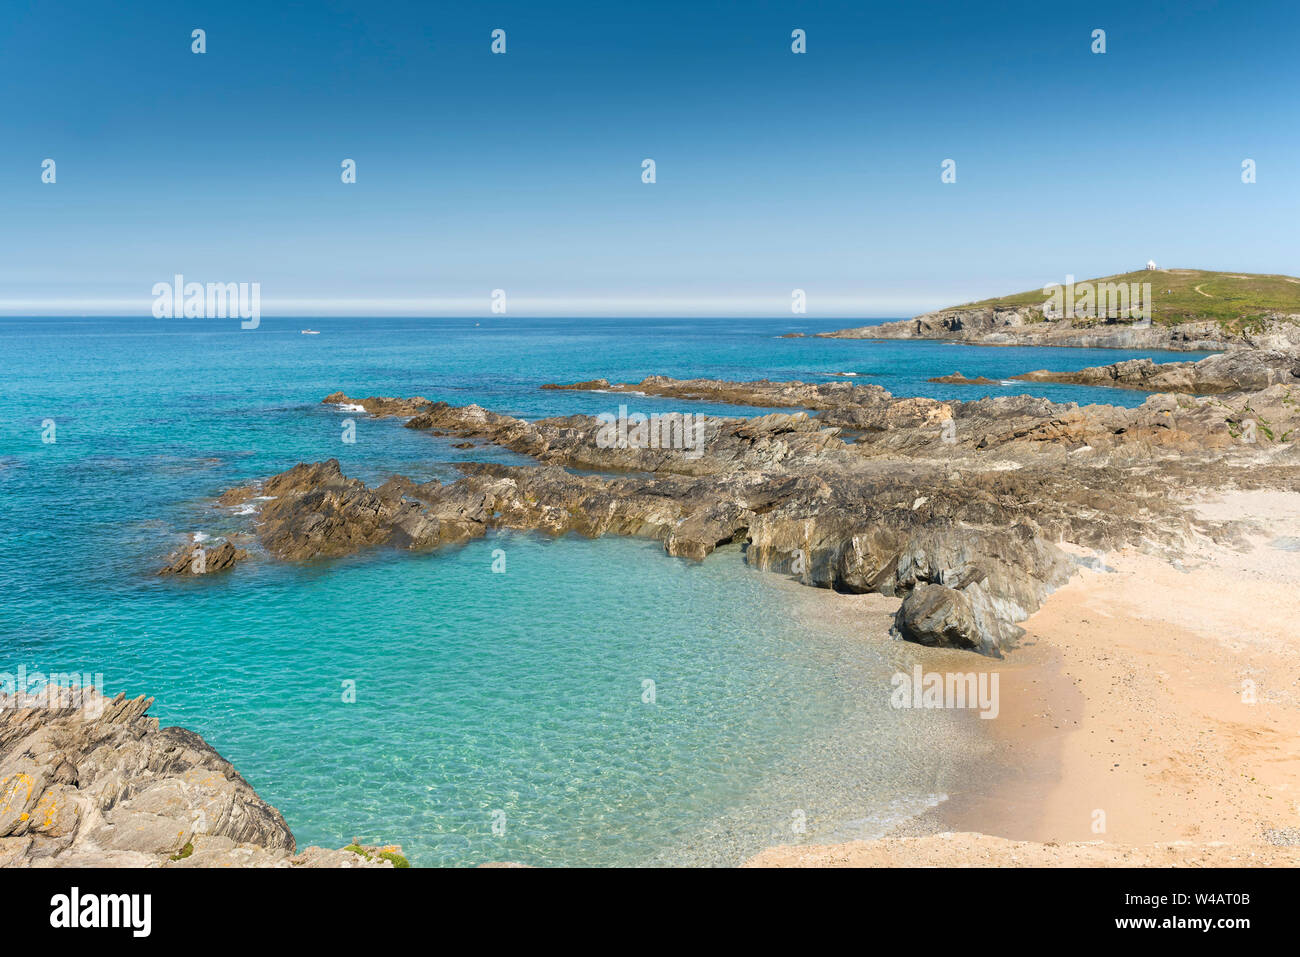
pixel 970 496
pixel 198 559
pixel 90 781
pixel 380 406
pixel 236 496
pixel 1246 370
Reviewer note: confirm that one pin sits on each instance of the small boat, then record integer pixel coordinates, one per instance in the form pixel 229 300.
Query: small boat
pixel 311 332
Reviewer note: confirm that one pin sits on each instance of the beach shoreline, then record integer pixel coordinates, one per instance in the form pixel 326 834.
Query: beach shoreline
pixel 1146 719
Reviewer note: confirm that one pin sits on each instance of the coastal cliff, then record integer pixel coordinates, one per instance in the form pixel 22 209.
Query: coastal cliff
pixel 1188 310
pixel 1025 326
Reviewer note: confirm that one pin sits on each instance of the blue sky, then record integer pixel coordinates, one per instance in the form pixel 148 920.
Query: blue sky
pixel 522 172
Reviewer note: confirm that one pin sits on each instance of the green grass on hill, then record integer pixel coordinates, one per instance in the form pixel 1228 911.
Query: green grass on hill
pixel 1236 300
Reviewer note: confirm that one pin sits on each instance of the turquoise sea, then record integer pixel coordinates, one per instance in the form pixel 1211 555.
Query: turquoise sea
pixel 497 716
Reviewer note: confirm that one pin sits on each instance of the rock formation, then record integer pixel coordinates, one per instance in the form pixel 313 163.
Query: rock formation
pixel 958 379
pixel 1026 326
pixel 196 559
pixel 957 508
pixel 88 781
pixel 1246 370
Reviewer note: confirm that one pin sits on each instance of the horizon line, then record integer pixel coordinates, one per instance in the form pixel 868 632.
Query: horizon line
pixel 613 307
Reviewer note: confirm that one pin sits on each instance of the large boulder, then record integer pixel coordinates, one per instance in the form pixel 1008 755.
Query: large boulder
pixel 942 617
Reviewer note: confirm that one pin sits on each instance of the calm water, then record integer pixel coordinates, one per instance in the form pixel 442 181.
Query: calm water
pixel 521 693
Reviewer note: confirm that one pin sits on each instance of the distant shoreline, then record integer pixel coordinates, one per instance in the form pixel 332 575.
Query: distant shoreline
pixel 1241 312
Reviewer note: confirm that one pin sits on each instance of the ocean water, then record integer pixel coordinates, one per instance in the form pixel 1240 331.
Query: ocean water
pixel 498 716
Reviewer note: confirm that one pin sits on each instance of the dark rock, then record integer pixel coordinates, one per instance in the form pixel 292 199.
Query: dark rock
pixel 380 406
pixel 942 617
pixel 196 559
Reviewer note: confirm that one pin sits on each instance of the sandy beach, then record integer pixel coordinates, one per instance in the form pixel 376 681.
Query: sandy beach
pixel 1150 717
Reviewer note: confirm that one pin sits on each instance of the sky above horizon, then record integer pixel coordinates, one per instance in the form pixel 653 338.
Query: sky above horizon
pixel 818 171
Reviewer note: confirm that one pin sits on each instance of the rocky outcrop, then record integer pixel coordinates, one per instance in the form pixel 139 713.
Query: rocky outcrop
pixel 958 379
pixel 88 781
pixel 844 404
pixel 1247 370
pixel 763 393
pixel 879 425
pixel 1026 326
pixel 198 559
pixel 955 507
pixel 591 385
pixel 380 406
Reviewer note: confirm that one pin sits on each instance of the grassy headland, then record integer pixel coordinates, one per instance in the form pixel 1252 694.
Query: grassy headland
pixel 1235 300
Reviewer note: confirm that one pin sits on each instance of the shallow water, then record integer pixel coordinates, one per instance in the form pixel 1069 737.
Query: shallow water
pixel 476 692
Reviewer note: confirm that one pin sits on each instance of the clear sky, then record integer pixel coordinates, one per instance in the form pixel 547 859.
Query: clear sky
pixel 522 172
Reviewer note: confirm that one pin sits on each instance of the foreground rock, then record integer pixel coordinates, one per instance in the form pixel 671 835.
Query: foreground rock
pixel 87 781
pixel 957 508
